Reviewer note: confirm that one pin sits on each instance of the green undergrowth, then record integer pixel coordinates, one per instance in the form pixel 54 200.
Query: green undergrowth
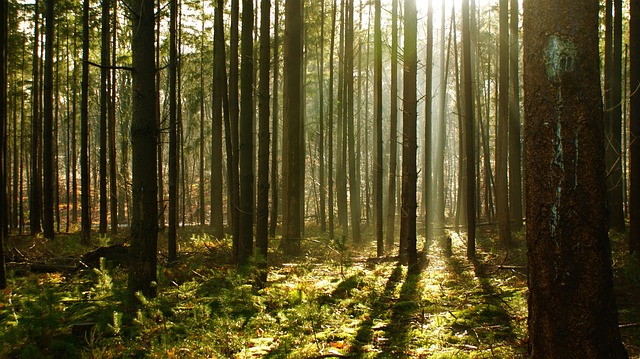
pixel 335 300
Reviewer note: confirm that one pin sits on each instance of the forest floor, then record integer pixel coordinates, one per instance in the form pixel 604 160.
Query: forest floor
pixel 335 301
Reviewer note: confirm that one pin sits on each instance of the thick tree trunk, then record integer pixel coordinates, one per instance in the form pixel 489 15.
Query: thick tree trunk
pixel 572 311
pixel 144 131
pixel 293 122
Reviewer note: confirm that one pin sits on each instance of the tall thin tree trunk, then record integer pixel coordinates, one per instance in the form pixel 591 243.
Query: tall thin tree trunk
pixel 469 124
pixel 105 59
pixel 35 193
pixel 173 134
pixel 515 151
pixel 393 131
pixel 4 18
pixel 502 187
pixel 377 93
pixel 323 188
pixel 113 158
pixel 246 136
pixel 274 127
pixel 330 122
pixel 85 216
pixel 409 142
pixel 354 185
pixel 428 127
pixel 219 93
pixel 634 127
pixel 47 148
pixel 234 112
pixel 262 210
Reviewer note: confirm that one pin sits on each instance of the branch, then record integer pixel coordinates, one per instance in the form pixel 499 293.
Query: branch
pixel 111 67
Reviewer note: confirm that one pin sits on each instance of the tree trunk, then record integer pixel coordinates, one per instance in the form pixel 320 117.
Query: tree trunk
pixel 113 184
pixel 201 182
pixel 393 131
pixel 469 132
pixel 219 87
pixel 262 210
pixel 85 216
pixel 105 59
pixel 47 148
pixel 634 161
pixel 572 311
pixel 614 131
pixel 275 130
pixel 321 137
pixel 35 193
pixel 377 165
pixel 246 136
pixel 409 142
pixel 502 186
pixel 515 151
pixel 234 112
pixel 173 134
pixel 293 121
pixel 4 18
pixel 354 169
pixel 144 131
pixel 428 127
pixel 330 122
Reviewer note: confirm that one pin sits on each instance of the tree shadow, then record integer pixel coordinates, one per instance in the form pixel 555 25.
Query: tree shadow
pixel 364 335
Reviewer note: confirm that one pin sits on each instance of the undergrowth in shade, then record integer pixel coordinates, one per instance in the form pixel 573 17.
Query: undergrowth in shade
pixel 335 301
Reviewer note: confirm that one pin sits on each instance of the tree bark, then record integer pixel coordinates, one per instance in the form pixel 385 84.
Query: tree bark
pixel 634 161
pixel 469 133
pixel 330 122
pixel 85 216
pixel 105 100
pixel 377 165
pixel 293 121
pixel 47 144
pixel 572 310
pixel 35 193
pixel 275 130
pixel 262 210
pixel 173 134
pixel 219 93
pixel 393 131
pixel 502 186
pixel 144 131
pixel 409 142
pixel 4 18
pixel 515 150
pixel 246 136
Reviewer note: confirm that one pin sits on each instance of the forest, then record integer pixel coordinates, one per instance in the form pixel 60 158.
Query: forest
pixel 320 179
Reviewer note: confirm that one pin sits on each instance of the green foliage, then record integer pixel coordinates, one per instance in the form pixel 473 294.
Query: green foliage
pixel 206 308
